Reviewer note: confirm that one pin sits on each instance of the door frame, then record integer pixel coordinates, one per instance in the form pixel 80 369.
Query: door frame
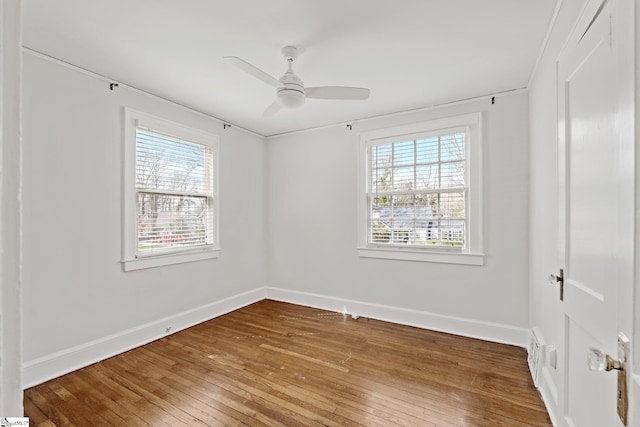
pixel 634 387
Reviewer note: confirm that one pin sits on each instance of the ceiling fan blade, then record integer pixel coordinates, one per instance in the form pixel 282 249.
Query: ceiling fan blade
pixel 253 70
pixel 271 110
pixel 336 92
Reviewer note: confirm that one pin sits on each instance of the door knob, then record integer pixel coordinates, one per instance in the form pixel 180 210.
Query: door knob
pixel 559 279
pixel 598 361
pixel 553 279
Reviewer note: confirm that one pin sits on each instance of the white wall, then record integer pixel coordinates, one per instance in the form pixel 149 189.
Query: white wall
pixel 312 227
pixel 75 292
pixel 10 163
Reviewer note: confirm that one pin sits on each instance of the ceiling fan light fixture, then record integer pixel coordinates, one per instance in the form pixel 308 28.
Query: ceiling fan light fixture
pixel 290 98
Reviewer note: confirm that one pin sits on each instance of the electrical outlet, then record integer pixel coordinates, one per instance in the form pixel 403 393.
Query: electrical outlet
pixel 551 356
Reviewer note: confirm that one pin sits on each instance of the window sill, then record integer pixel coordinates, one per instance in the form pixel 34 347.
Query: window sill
pixel 422 255
pixel 162 260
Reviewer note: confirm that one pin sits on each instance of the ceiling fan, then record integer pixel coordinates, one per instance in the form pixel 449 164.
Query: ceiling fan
pixel 290 91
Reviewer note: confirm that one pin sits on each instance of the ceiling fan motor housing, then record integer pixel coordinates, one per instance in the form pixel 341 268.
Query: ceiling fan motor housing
pixel 291 92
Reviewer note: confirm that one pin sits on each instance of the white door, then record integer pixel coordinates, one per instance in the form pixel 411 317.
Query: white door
pixel 591 232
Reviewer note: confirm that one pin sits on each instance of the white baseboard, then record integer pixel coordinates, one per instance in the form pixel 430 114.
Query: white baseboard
pixel 545 382
pixel 549 393
pixel 634 395
pixel 487 331
pixel 42 369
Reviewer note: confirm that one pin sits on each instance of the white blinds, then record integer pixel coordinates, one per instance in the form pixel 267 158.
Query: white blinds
pixel 174 186
pixel 417 191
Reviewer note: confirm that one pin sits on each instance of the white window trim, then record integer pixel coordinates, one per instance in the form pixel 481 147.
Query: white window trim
pixel 472 254
pixel 132 120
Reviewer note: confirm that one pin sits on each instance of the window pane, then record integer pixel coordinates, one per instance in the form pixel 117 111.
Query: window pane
pixel 451 205
pixel 379 232
pixel 168 221
pixel 452 147
pixel 427 177
pixel 403 222
pixel 381 156
pixel 426 215
pixel 403 178
pixel 451 233
pixel 427 150
pixel 380 219
pixel 167 163
pixel 403 153
pixel 403 210
pixel 426 206
pixel 380 179
pixel 452 175
pixel 381 209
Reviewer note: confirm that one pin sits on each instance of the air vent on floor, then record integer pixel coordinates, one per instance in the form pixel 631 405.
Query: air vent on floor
pixel 535 352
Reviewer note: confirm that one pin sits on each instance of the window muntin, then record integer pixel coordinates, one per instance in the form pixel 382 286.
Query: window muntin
pixel 174 186
pixel 416 190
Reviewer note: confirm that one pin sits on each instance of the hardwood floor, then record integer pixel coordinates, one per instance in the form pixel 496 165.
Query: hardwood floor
pixel 277 364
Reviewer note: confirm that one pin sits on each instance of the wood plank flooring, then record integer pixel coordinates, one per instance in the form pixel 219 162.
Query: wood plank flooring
pixel 277 364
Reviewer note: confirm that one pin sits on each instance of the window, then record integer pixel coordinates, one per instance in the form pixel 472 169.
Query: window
pixel 170 193
pixel 420 191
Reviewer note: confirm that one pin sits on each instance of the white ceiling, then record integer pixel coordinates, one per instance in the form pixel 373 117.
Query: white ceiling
pixel 410 53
